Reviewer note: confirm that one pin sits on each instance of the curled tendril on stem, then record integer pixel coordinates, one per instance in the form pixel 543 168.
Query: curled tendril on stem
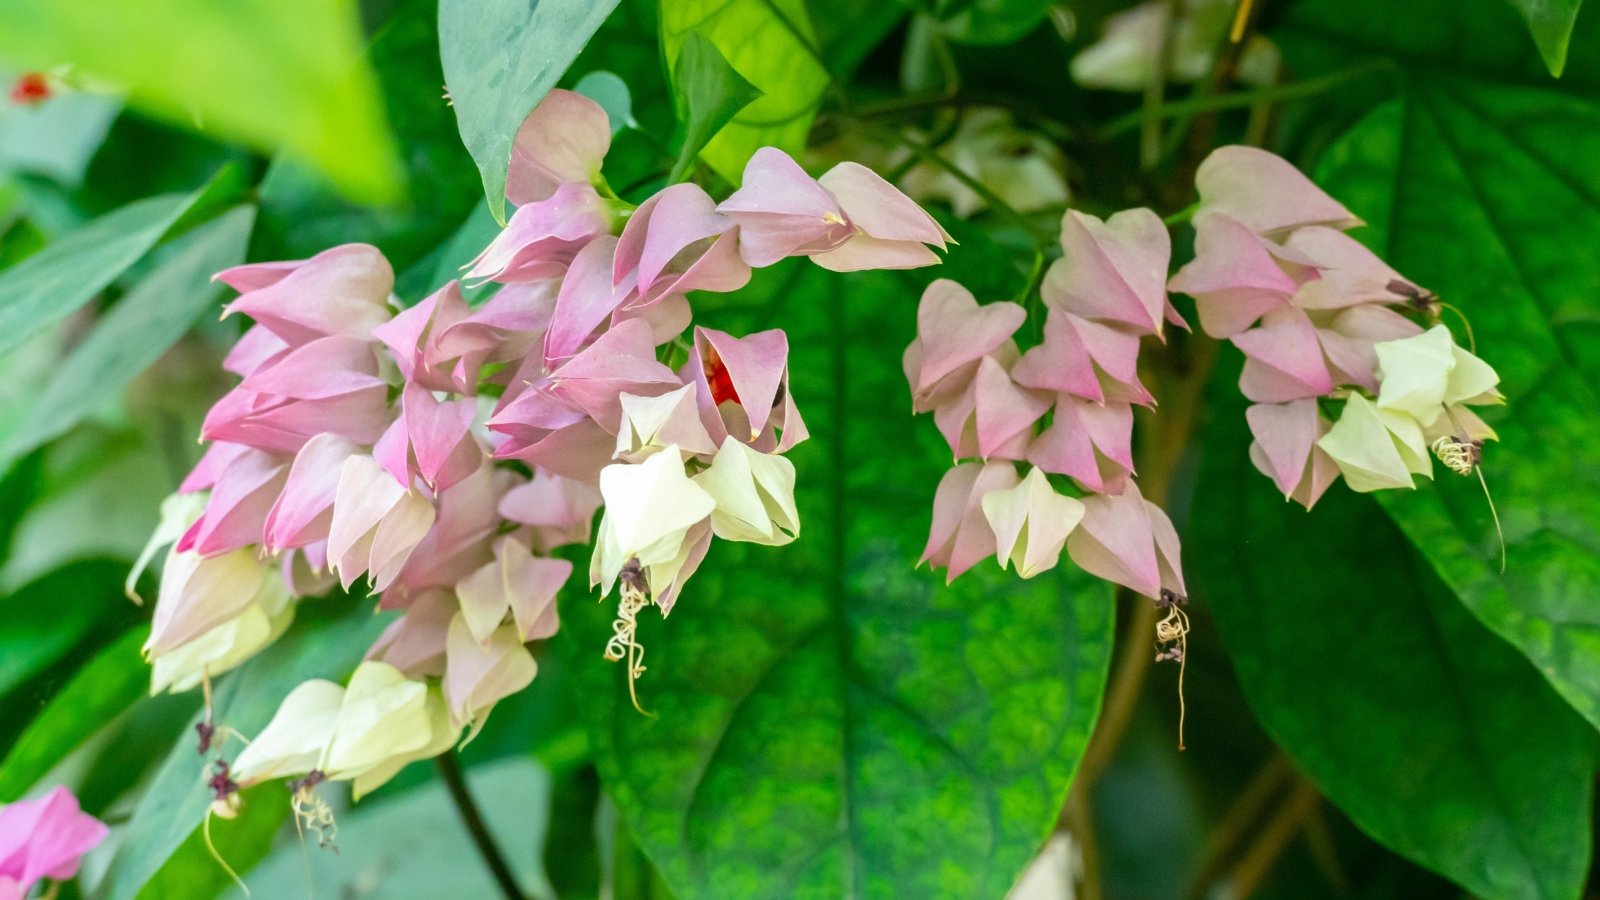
pixel 1172 642
pixel 624 642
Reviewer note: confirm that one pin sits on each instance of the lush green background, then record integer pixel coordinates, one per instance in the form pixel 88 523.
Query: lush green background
pixel 1372 709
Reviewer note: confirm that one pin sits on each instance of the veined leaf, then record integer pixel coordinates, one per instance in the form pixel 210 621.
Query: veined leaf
pixel 266 73
pixel 1551 22
pixel 830 721
pixel 500 58
pixel 771 45
pixel 1433 735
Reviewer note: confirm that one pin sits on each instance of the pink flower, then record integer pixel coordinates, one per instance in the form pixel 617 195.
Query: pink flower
pixel 1128 540
pixel 432 440
pixel 850 219
pixel 342 291
pixel 562 141
pixel 677 242
pixel 1285 448
pixel 1113 271
pixel 542 237
pixel 45 838
pixel 376 523
pixel 742 388
pixel 953 334
pixel 961 536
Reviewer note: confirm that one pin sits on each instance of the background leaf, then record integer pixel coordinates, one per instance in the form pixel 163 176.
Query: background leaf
pixel 709 94
pixel 1551 22
pixel 150 319
pixel 768 42
pixel 910 738
pixel 1433 735
pixel 500 58
pixel 1500 160
pixel 990 21
pixel 97 693
pixel 48 286
pixel 270 74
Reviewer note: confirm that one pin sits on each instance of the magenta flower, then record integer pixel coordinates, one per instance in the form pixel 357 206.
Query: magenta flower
pixel 44 838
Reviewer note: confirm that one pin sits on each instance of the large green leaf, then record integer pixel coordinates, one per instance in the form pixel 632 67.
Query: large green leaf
pixel 831 722
pixel 136 332
pixel 321 645
pixel 1482 187
pixel 192 871
pixel 770 43
pixel 97 693
pixel 709 94
pixel 500 58
pixel 1551 22
pixel 271 74
pixel 48 286
pixel 1434 736
pixel 301 212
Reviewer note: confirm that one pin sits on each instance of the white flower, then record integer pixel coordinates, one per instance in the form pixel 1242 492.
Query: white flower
pixel 754 494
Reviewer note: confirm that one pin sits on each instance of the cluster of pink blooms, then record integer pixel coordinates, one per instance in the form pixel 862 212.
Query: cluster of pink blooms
pixel 1063 408
pixel 1320 317
pixel 44 838
pixel 443 451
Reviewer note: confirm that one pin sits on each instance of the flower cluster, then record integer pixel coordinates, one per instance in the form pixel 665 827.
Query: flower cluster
pixel 442 451
pixel 1320 318
pixel 1064 408
pixel 44 838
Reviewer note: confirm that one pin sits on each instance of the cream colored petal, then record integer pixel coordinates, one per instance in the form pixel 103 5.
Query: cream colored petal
pixel 1413 373
pixel 1364 449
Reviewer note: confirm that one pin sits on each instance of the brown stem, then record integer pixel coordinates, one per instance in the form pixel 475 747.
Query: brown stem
pixel 1257 862
pixel 450 772
pixel 1265 786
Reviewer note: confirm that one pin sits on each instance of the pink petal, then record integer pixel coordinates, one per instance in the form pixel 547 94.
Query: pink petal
pixel 240 501
pixel 1003 409
pixel 953 330
pixel 1265 192
pixel 211 465
pixel 1285 433
pixel 1116 541
pixel 879 209
pixel 1348 341
pixel 587 298
pixel 781 210
pixel 318 370
pixel 252 350
pixel 862 252
pixel 304 509
pixel 1113 270
pixel 1350 273
pixel 344 290
pixel 960 537
pixel 1286 342
pixel 542 238
pixel 415 642
pixel 563 140
pixel 46 838
pixel 1234 278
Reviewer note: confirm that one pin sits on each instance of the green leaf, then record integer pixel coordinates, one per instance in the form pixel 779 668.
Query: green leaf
pixel 45 619
pixel 848 30
pixel 611 92
pixel 302 213
pixel 1551 22
pixel 318 646
pixel 1482 188
pixel 51 284
pixel 270 74
pixel 411 845
pixel 97 693
pixel 771 45
pixel 1435 737
pixel 136 332
pixel 709 94
pixel 500 58
pixel 243 841
pixel 907 738
pixel 990 21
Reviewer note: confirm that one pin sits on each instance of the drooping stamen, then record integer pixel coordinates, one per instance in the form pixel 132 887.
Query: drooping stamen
pixel 1465 457
pixel 624 643
pixel 311 812
pixel 1172 639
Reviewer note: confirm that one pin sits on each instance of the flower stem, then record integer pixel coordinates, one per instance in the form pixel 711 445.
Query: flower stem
pixel 450 772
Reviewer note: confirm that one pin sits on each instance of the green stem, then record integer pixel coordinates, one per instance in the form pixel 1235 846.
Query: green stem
pixel 1155 90
pixel 1182 216
pixel 1276 93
